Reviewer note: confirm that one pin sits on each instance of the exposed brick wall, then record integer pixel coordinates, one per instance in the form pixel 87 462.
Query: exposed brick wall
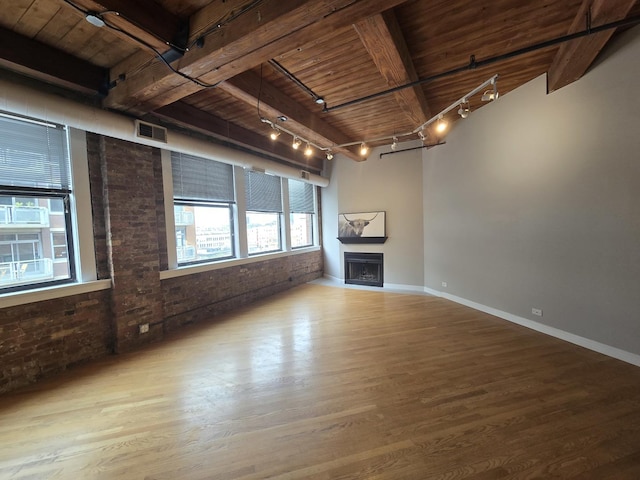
pixel 42 338
pixel 200 297
pixel 129 193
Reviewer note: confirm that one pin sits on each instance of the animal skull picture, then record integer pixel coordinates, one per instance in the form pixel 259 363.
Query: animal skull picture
pixel 354 227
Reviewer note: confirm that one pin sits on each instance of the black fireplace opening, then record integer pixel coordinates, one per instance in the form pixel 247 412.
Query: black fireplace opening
pixel 364 269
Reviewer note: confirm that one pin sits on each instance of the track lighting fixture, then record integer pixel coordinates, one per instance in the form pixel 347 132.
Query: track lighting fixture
pixel 308 151
pixel 465 109
pixel 489 96
pixel 275 133
pixel 463 105
pixel 492 94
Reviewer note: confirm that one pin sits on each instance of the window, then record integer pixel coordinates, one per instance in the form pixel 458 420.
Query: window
pixel 302 211
pixel 264 209
pixel 35 180
pixel 203 196
pixel 59 243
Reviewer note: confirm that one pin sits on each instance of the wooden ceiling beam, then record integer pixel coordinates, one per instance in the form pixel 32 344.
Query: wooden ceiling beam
pixel 576 56
pixel 262 33
pixel 248 88
pixel 36 59
pixel 142 19
pixel 382 38
pixel 193 118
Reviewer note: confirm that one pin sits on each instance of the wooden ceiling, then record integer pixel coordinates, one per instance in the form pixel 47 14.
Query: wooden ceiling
pixel 228 63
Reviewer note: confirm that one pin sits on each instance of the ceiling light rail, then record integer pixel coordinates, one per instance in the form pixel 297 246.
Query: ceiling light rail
pixel 316 98
pixel 462 103
pixel 464 100
pixel 297 140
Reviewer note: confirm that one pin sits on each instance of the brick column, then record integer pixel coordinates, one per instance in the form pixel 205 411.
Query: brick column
pixel 129 191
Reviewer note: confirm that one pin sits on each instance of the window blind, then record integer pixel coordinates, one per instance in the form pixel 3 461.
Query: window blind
pixel 300 197
pixel 33 154
pixel 196 178
pixel 263 192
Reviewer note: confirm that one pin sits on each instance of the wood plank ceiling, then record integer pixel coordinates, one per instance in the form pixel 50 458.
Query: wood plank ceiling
pixel 228 64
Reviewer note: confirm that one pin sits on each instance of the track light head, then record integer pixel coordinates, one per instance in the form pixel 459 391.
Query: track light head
pixel 275 133
pixel 489 95
pixel 329 155
pixel 308 151
pixel 394 145
pixel 319 100
pixel 364 149
pixel 441 126
pixel 296 143
pixel 465 109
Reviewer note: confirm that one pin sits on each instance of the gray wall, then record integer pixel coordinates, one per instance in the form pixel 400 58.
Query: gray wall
pixel 535 202
pixel 393 184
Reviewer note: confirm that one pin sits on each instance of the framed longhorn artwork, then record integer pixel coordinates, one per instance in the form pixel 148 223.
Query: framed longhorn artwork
pixel 362 227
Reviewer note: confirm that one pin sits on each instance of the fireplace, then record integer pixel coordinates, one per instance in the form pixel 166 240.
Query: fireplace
pixel 363 269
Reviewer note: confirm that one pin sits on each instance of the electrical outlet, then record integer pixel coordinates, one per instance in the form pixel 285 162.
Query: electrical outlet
pixel 444 284
pixel 144 328
pixel 537 312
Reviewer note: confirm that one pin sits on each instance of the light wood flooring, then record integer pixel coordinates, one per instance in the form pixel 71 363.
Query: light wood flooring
pixel 332 383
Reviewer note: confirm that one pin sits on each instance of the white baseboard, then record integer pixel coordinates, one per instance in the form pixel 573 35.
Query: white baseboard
pixel 404 288
pixel 608 350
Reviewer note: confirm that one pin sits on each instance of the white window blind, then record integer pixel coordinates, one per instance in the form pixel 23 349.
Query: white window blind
pixel 33 154
pixel 263 192
pixel 300 197
pixel 196 178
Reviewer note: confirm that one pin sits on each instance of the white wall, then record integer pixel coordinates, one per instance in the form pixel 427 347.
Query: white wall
pixel 392 184
pixel 535 202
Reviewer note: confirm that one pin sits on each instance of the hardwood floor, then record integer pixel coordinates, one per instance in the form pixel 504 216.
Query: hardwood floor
pixel 332 383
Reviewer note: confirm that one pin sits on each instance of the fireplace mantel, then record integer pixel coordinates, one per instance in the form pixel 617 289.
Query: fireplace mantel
pixel 362 239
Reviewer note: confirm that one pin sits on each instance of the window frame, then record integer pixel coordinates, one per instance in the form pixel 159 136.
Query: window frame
pixel 313 224
pixel 69 231
pixel 221 205
pixel 19 187
pixel 264 196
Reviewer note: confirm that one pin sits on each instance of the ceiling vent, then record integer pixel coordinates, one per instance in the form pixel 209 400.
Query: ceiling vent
pixel 305 175
pixel 151 131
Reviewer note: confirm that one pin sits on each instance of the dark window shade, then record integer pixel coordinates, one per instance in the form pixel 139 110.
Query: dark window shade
pixel 263 192
pixel 196 178
pixel 300 197
pixel 33 154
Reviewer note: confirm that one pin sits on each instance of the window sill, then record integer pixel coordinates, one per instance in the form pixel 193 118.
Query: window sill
pixel 38 295
pixel 207 267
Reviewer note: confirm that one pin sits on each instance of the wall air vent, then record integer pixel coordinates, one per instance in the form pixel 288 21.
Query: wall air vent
pixel 305 175
pixel 151 131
